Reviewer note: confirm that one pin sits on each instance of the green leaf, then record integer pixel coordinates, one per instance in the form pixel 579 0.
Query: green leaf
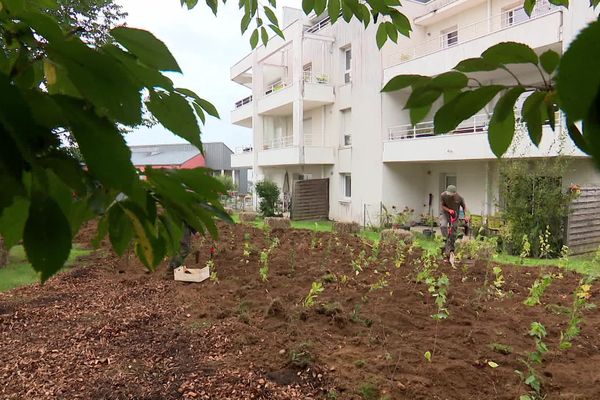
pixel 254 38
pixel 12 221
pixel 578 79
pixel 422 96
pixel 510 53
pixel 549 61
pixel 391 31
pixel 277 31
pixel 264 36
pixel 475 65
pixel 44 25
pixel 401 23
pixel 47 236
pixel 463 106
pixel 502 124
pixel 320 6
pixel 93 133
pixel 146 47
pixel 418 114
pixel 308 6
pixel 381 35
pixel 120 230
pixel 146 248
pixel 333 9
pixel 245 22
pixel 207 106
pixel 533 111
pixel 403 81
pixel 99 78
pixel 271 15
pixel 577 137
pixel 214 5
pixel 528 6
pixel 175 114
pixel 591 130
pixel 145 76
pixel 450 80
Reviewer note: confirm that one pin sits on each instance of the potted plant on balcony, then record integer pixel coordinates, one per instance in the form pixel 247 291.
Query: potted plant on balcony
pixel 321 78
pixel 404 218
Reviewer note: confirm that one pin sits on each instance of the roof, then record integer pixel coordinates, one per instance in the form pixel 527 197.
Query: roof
pixel 163 154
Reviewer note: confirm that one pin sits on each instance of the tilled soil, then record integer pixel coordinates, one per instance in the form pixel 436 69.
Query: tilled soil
pixel 108 330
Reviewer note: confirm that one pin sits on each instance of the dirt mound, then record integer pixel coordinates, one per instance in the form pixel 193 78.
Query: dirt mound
pixel 97 333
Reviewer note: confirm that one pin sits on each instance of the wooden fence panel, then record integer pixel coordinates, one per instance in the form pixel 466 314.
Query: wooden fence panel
pixel 583 224
pixel 310 199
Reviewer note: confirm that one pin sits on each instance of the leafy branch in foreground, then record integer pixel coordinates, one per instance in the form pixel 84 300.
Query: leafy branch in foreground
pixel 53 84
pixel 569 83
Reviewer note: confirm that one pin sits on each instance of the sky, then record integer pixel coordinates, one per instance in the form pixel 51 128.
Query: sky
pixel 205 47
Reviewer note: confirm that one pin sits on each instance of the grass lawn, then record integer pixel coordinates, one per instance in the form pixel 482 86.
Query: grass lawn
pixel 18 272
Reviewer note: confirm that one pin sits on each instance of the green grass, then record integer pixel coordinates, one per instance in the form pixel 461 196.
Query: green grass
pixel 581 264
pixel 18 272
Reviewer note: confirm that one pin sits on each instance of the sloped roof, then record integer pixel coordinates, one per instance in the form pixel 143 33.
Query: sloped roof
pixel 163 154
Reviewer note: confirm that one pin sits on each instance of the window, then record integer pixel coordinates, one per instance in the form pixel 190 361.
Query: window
pixel 346 186
pixel 307 72
pixel 347 65
pixel 513 16
pixel 346 127
pixel 449 37
pixel 450 180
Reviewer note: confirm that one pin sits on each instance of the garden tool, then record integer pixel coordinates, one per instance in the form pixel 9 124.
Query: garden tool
pixel 451 238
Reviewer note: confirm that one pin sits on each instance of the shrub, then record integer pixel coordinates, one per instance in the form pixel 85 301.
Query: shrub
pixel 227 181
pixel 533 201
pixel 268 192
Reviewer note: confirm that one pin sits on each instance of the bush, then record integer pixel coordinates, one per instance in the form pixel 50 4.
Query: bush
pixel 268 193
pixel 532 200
pixel 227 181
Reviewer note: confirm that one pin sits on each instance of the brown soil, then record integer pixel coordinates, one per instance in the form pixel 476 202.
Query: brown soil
pixel 108 330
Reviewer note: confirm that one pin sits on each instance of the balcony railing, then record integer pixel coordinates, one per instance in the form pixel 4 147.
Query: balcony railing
pixel 243 149
pixel 475 124
pixel 318 26
pixel 243 102
pixel 437 4
pixel 278 143
pixel 321 79
pixel 275 87
pixel 476 30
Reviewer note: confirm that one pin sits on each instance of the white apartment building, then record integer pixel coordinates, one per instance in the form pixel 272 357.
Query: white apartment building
pixel 316 109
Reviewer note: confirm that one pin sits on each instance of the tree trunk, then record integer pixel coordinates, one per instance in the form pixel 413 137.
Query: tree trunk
pixel 3 253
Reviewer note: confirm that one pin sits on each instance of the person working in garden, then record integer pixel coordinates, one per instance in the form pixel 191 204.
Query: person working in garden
pixel 450 204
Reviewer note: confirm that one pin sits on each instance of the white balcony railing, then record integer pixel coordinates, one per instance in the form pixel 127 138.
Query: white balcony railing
pixel 310 77
pixel 476 30
pixel 278 143
pixel 437 4
pixel 243 102
pixel 243 149
pixel 275 87
pixel 318 25
pixel 475 124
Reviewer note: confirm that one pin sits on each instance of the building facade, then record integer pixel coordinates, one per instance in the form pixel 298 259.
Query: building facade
pixel 316 108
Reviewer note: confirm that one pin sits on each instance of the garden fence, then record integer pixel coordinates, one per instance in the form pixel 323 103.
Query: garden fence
pixel 583 224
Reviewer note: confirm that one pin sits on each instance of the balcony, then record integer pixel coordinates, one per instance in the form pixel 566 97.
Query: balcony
pixel 242 113
pixel 442 53
pixel 469 141
pixel 283 151
pixel 243 157
pixel 280 95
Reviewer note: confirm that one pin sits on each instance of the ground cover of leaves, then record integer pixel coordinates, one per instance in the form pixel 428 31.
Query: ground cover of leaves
pixel 108 330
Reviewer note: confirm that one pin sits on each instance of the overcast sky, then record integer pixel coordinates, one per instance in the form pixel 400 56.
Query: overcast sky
pixel 205 47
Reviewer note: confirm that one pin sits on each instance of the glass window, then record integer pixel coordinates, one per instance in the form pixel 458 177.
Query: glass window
pixel 514 16
pixel 347 185
pixel 449 37
pixel 347 65
pixel 346 127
